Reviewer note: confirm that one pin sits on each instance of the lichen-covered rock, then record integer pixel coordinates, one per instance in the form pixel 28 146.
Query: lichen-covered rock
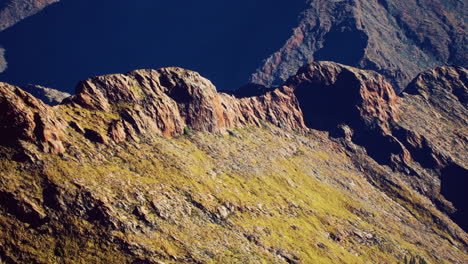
pixel 434 108
pixel 367 183
pixel 422 134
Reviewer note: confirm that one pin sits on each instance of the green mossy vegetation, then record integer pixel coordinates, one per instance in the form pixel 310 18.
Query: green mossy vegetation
pixel 264 196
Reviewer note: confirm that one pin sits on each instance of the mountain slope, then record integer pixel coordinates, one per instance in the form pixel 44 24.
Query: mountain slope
pixel 157 167
pixel 398 39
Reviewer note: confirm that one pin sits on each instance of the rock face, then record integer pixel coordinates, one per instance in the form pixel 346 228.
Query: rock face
pixel 435 111
pixel 421 134
pixel 26 119
pixel 335 98
pixel 396 38
pixel 166 101
pixel 47 95
pixel 125 170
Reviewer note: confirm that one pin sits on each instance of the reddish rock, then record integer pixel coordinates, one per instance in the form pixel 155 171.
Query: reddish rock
pixel 165 101
pixel 25 118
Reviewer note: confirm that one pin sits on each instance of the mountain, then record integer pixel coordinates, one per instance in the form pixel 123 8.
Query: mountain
pixel 47 95
pixel 396 38
pixel 156 166
pixel 13 11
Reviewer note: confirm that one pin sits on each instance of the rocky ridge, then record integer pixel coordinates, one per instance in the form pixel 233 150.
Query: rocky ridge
pixel 331 130
pixel 398 39
pixel 47 95
pixel 167 101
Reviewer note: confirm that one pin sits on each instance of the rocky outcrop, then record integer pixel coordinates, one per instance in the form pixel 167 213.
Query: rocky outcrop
pixel 166 101
pixel 26 119
pixel 346 101
pixel 396 38
pixel 370 181
pixel 421 133
pixel 47 95
pixel 435 113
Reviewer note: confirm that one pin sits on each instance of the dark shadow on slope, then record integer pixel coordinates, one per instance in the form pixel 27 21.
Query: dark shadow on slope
pixel 345 46
pixel 249 90
pixel 454 181
pixel 327 106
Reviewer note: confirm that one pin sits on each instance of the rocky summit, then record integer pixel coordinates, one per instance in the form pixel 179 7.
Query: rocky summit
pixel 156 166
pixel 396 38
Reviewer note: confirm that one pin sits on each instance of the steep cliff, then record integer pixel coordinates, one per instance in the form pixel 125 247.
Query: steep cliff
pixel 398 39
pixel 421 134
pixel 155 166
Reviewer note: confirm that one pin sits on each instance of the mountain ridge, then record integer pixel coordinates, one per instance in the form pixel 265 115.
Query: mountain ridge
pixel 145 163
pixel 398 39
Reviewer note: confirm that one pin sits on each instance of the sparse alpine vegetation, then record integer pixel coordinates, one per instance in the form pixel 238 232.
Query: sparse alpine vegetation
pixel 157 167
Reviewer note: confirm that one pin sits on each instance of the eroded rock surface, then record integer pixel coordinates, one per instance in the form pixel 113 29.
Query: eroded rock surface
pixel 25 118
pixel 167 101
pixel 372 179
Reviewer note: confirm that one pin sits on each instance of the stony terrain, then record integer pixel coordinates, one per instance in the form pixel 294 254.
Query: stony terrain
pixel 155 166
pixel 397 38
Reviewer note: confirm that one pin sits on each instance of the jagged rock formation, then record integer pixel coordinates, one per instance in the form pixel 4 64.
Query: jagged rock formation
pixel 421 134
pixel 166 101
pixel 396 38
pixel 155 165
pixel 26 119
pixel 47 95
pixel 435 113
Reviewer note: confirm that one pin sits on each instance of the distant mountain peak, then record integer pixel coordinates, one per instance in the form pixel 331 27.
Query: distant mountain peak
pixel 396 38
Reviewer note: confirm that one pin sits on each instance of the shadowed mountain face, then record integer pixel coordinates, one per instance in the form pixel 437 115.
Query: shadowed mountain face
pixel 397 38
pixel 13 11
pixel 74 40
